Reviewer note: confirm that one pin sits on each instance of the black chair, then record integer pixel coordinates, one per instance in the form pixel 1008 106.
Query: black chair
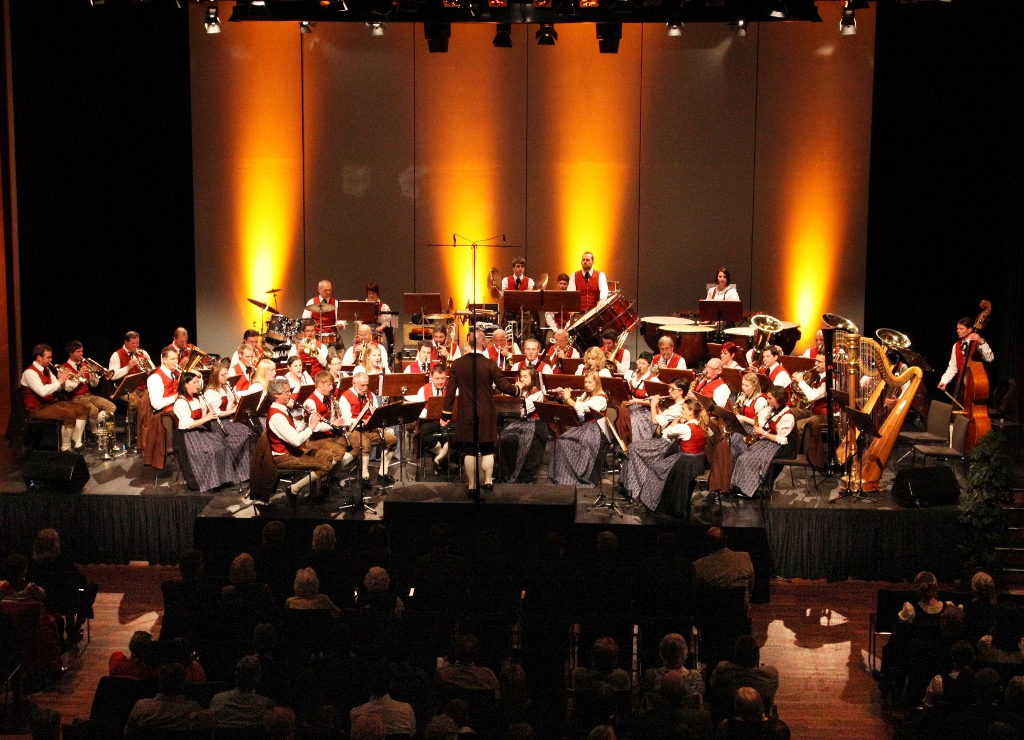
pixel 883 619
pixel 113 702
pixel 304 633
pixel 10 668
pixel 721 616
pixel 596 707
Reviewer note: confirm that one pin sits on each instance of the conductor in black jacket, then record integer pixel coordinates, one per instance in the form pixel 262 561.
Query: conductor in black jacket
pixel 475 377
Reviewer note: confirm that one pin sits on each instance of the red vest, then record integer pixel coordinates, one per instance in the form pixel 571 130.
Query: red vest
pixel 170 383
pixel 820 406
pixel 197 410
pixel 708 388
pixel 313 360
pixel 183 355
pixel 551 354
pixel 325 321
pixel 590 293
pixel 697 441
pixel 814 352
pixel 29 396
pixel 774 373
pixel 83 388
pixel 538 369
pixel 749 410
pixel 773 422
pixel 277 444
pixel 124 357
pixel 492 352
pixel 224 402
pixel 959 348
pixel 511 283
pixel 324 410
pixel 673 362
pixel 355 404
pixel 429 391
pixel 638 390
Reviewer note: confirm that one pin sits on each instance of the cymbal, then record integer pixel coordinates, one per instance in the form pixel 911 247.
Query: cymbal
pixel 320 308
pixel 274 290
pixel 261 305
pixel 542 282
pixel 439 316
pixel 495 292
pixel 479 313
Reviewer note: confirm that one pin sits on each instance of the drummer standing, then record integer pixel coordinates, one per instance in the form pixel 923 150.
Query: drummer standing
pixel 722 290
pixel 592 284
pixel 517 280
pixel 327 311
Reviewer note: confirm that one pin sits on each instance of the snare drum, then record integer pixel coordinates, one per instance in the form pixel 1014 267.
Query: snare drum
pixel 742 336
pixel 649 326
pixel 691 341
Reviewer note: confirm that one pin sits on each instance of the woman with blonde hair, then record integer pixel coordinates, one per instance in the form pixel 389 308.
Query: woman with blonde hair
pixel 574 459
pixel 594 360
pixel 307 593
pixel 689 435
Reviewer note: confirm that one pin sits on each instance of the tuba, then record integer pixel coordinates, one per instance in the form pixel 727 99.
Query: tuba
pixel 195 359
pixel 893 339
pixel 765 328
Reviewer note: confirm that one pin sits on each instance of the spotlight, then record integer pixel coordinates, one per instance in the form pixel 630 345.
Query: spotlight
pixel 306 26
pixel 608 36
pixel 497 3
pixel 212 22
pixel 376 28
pixel 739 28
pixel 546 35
pixel 674 29
pixel 503 36
pixel 258 10
pixel 437 35
pixel 542 3
pixel 589 3
pixel 848 23
pixel 778 9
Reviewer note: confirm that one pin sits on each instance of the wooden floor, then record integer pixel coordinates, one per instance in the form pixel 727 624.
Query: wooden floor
pixel 815 633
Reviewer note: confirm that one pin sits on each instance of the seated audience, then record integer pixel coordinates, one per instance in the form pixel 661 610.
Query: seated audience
pixel 273 681
pixel 378 553
pixel 673 652
pixel 980 611
pixel 464 673
pixel 275 564
pixel 189 604
pixel 307 595
pixel 1003 645
pixel 745 669
pixel 602 732
pixel 397 717
pixel 972 721
pixel 441 576
pixel 329 565
pixel 749 721
pixel 458 710
pixel 180 651
pixel 279 723
pixel 368 727
pixel 723 568
pixel 137 664
pixel 168 710
pixel 376 593
pixel 242 706
pixel 14 584
pixel 675 712
pixel 245 603
pixel 59 577
pixel 440 727
pixel 604 673
pixel 955 689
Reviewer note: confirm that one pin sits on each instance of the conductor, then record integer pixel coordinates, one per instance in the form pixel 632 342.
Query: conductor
pixel 475 377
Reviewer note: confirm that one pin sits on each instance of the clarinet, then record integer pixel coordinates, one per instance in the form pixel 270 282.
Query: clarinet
pixel 209 409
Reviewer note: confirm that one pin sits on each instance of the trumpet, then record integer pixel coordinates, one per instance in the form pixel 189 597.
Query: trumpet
pixel 144 365
pixel 98 368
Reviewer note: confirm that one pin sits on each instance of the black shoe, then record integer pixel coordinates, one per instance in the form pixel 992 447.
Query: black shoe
pixel 474 495
pixel 438 470
pixel 365 482
pixel 385 479
pixel 488 487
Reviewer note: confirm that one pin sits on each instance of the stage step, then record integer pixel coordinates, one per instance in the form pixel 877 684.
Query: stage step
pixel 1011 557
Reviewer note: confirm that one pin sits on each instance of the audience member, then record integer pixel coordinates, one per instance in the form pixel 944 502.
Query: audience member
pixel 1003 645
pixel 242 706
pixel 307 596
pixel 378 554
pixel 329 564
pixel 749 721
pixel 519 731
pixel 723 568
pixel 604 673
pixel 972 721
pixel 189 604
pixel 604 580
pixel 272 674
pixel 279 723
pixel 245 603
pixel 955 689
pixel 745 669
pixel 275 562
pixel 397 717
pixel 54 572
pixel 441 580
pixel 44 724
pixel 464 673
pixel 136 665
pixel 180 651
pixel 368 727
pixel 168 710
pixel 14 584
pixel 458 710
pixel 513 696
pixel 667 580
pixel 980 611
pixel 377 594
pixel 673 652
pixel 673 710
pixel 602 732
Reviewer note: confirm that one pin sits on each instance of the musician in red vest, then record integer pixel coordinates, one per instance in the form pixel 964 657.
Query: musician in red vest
pixel 592 284
pixel 667 358
pixel 421 365
pixel 713 386
pixel 819 345
pixel 252 338
pixel 501 349
pixel 288 439
pixel 965 335
pixel 771 367
pixel 328 320
pixel 130 359
pixel 439 350
pixel 517 280
pixel 324 437
pixel 357 405
pixel 621 359
pixel 430 438
pixel 309 348
pixel 531 348
pixel 244 367
pixel 39 384
pixel 364 336
pixel 552 319
pixel 162 387
pixel 81 392
pixel 180 343
pixel 808 430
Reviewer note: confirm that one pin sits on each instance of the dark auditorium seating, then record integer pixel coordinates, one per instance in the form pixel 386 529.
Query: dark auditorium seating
pixel 721 616
pixel 304 632
pixel 113 702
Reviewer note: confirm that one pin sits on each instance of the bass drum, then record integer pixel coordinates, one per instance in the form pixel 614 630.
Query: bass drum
pixel 650 326
pixel 691 341
pixel 614 312
pixel 279 328
pixel 787 337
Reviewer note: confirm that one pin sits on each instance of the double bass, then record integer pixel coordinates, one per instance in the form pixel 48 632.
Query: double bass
pixel 972 387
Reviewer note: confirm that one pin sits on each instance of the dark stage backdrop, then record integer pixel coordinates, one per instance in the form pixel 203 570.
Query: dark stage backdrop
pixel 104 173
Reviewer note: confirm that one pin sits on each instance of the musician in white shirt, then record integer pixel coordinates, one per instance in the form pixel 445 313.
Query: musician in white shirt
pixel 357 405
pixel 581 279
pixel 430 436
pixel 713 386
pixel 561 349
pixel 819 345
pixel 722 290
pixel 965 335
pixel 321 402
pixel 162 384
pixel 531 348
pixel 364 336
pixel 39 383
pixel 324 296
pixel 517 280
pixel 594 360
pixel 252 338
pixel 500 350
pixel 553 319
pixel 621 356
pixel 421 365
pixel 287 439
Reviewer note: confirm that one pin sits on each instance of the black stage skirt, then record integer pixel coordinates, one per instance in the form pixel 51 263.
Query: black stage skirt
pixel 647 467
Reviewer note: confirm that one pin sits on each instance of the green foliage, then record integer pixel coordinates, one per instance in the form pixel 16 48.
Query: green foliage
pixel 989 484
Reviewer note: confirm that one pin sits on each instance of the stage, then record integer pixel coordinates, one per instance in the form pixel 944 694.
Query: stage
pixel 124 515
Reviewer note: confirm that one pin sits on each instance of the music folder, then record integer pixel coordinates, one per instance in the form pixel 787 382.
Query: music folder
pixel 732 424
pixel 305 391
pixel 248 407
pixel 392 414
pixel 557 415
pixel 128 384
pixel 714 311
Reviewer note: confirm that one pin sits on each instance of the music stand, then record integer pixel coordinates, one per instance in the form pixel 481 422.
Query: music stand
pixel 560 302
pixel 129 383
pixel 718 313
pixel 304 392
pixel 557 416
pixel 557 382
pixel 656 388
pixel 668 374
pixel 732 424
pixel 863 423
pixel 524 302
pixel 617 390
pixel 395 414
pixel 248 410
pixel 570 365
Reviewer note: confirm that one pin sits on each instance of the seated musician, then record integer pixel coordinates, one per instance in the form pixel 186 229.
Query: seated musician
pixel 689 434
pixel 252 338
pixel 310 349
pixel 360 347
pixel 421 365
pixel 594 360
pixel 723 290
pixel 523 440
pixel 179 341
pixel 373 363
pixel 357 404
pixel 713 386
pixel 325 435
pixel 807 438
pixel 297 376
pixel 517 280
pixel 554 319
pixel 771 366
pixel 501 349
pixel 667 358
pixel 443 348
pixel 288 439
pixel 769 439
pixel 218 453
pixel 575 455
pixel 219 392
pixel 127 360
pixel 262 376
pixel 431 439
pixel 39 385
pixel 965 336
pixel 387 323
pixel 635 379
pixel 531 348
pixel 592 284
pixel 751 404
pixel 243 368
pixel 731 351
pixel 819 346
pixel 328 320
pixel 334 368
pixel 162 388
pixel 621 356
pixel 560 350
pixel 80 387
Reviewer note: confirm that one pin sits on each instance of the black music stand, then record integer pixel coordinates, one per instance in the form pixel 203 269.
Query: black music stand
pixel 557 416
pixel 400 385
pixel 248 410
pixel 394 414
pixel 561 302
pixel 719 313
pixel 524 302
pixel 305 391
pixel 129 383
pixel 863 423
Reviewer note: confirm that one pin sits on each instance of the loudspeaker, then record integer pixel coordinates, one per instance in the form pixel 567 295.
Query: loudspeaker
pixel 55 471
pixel 923 487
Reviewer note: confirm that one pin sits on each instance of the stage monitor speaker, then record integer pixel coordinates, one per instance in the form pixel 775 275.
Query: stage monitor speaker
pixel 923 487
pixel 55 471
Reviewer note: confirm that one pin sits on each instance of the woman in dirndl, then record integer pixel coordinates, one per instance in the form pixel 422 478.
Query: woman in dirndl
pixel 214 454
pixel 574 459
pixel 770 440
pixel 522 442
pixel 689 435
pixel 650 459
